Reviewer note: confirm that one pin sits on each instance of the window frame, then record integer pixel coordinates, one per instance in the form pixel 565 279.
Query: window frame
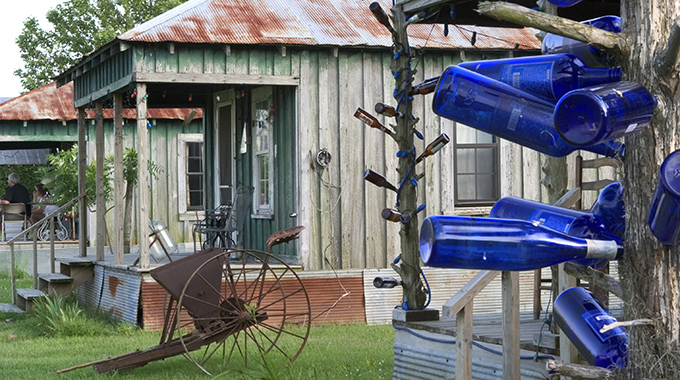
pixel 262 211
pixel 183 139
pixel 496 148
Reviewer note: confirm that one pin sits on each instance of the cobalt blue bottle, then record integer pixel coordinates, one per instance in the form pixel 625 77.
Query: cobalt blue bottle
pixel 610 207
pixel 571 222
pixel 590 55
pixel 564 3
pixel 504 111
pixel 504 244
pixel 547 76
pixel 664 213
pixel 581 317
pixel 593 115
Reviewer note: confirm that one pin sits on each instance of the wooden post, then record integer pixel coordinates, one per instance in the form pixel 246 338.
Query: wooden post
pixel 511 347
pixel 118 180
pixel 568 353
pixel 143 159
pixel 101 202
pixel 464 343
pixel 82 183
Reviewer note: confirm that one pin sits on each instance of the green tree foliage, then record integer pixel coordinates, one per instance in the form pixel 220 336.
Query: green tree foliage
pixel 77 27
pixel 62 174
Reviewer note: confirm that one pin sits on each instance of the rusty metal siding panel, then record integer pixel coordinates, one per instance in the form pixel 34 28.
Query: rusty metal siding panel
pixel 113 291
pixel 444 283
pixel 319 22
pixel 120 294
pixel 154 300
pixel 334 298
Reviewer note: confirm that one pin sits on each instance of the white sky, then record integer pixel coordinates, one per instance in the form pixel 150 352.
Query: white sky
pixel 15 13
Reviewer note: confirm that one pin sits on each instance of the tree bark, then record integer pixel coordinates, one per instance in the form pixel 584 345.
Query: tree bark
pixel 650 272
pixel 576 371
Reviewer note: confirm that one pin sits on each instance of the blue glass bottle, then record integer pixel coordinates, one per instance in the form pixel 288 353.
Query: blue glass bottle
pixel 590 55
pixel 610 207
pixel 547 76
pixel 504 111
pixel 664 212
pixel 581 317
pixel 564 3
pixel 571 222
pixel 503 244
pixel 593 115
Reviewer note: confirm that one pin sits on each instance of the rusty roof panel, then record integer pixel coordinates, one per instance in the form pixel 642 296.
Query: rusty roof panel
pixel 51 103
pixel 309 22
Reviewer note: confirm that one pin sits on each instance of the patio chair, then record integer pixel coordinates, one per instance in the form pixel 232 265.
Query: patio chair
pixel 13 220
pixel 219 225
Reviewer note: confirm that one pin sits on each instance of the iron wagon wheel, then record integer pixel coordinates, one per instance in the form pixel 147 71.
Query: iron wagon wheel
pixel 258 309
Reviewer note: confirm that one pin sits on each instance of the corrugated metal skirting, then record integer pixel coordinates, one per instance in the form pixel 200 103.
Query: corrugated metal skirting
pixel 113 291
pixel 432 357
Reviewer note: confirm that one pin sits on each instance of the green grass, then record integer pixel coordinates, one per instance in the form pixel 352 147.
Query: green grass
pixel 30 351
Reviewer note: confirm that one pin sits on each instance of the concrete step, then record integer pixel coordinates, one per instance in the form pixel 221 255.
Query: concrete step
pixel 25 298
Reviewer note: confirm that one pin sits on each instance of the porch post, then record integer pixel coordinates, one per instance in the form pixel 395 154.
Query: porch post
pixel 82 184
pixel 101 202
pixel 143 157
pixel 119 189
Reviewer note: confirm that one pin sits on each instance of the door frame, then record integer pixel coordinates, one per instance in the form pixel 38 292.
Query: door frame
pixel 223 99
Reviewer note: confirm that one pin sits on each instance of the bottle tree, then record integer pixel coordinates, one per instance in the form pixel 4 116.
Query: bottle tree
pixel 408 267
pixel 648 50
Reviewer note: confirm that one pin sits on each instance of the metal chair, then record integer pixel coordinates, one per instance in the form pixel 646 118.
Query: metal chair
pixel 13 219
pixel 239 212
pixel 220 224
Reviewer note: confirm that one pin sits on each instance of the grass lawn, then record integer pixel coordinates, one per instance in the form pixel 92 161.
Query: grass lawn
pixel 354 351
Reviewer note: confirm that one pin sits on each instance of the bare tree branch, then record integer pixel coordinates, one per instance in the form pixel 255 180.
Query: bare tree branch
pixel 614 43
pixel 597 278
pixel 669 57
pixel 577 371
pixel 637 322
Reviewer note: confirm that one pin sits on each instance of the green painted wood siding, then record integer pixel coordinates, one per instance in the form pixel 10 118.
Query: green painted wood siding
pixel 38 130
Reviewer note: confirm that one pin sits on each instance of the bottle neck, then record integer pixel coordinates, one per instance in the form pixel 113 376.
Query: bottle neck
pixel 594 76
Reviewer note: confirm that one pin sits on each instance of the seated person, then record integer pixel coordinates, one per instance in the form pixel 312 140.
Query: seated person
pixel 39 197
pixel 17 193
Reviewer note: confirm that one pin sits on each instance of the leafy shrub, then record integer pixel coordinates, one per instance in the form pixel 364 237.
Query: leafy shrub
pixel 61 316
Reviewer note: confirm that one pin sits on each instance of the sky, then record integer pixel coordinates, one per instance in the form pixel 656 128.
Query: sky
pixel 10 28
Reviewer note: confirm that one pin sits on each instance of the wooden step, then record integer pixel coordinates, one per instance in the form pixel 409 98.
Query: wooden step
pixel 66 263
pixel 25 298
pixel 59 283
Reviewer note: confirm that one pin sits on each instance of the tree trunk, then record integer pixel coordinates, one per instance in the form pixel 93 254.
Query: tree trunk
pixel 650 274
pixel 127 219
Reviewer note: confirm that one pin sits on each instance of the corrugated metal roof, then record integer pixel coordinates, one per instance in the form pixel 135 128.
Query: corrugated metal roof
pixel 309 22
pixel 24 157
pixel 51 103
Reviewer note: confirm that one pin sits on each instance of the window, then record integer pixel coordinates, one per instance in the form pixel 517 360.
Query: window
pixel 476 167
pixel 190 172
pixel 263 134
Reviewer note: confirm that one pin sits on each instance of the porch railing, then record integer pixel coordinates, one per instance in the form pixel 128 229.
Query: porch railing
pixel 35 228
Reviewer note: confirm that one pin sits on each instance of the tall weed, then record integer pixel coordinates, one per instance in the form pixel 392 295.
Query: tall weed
pixel 60 315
